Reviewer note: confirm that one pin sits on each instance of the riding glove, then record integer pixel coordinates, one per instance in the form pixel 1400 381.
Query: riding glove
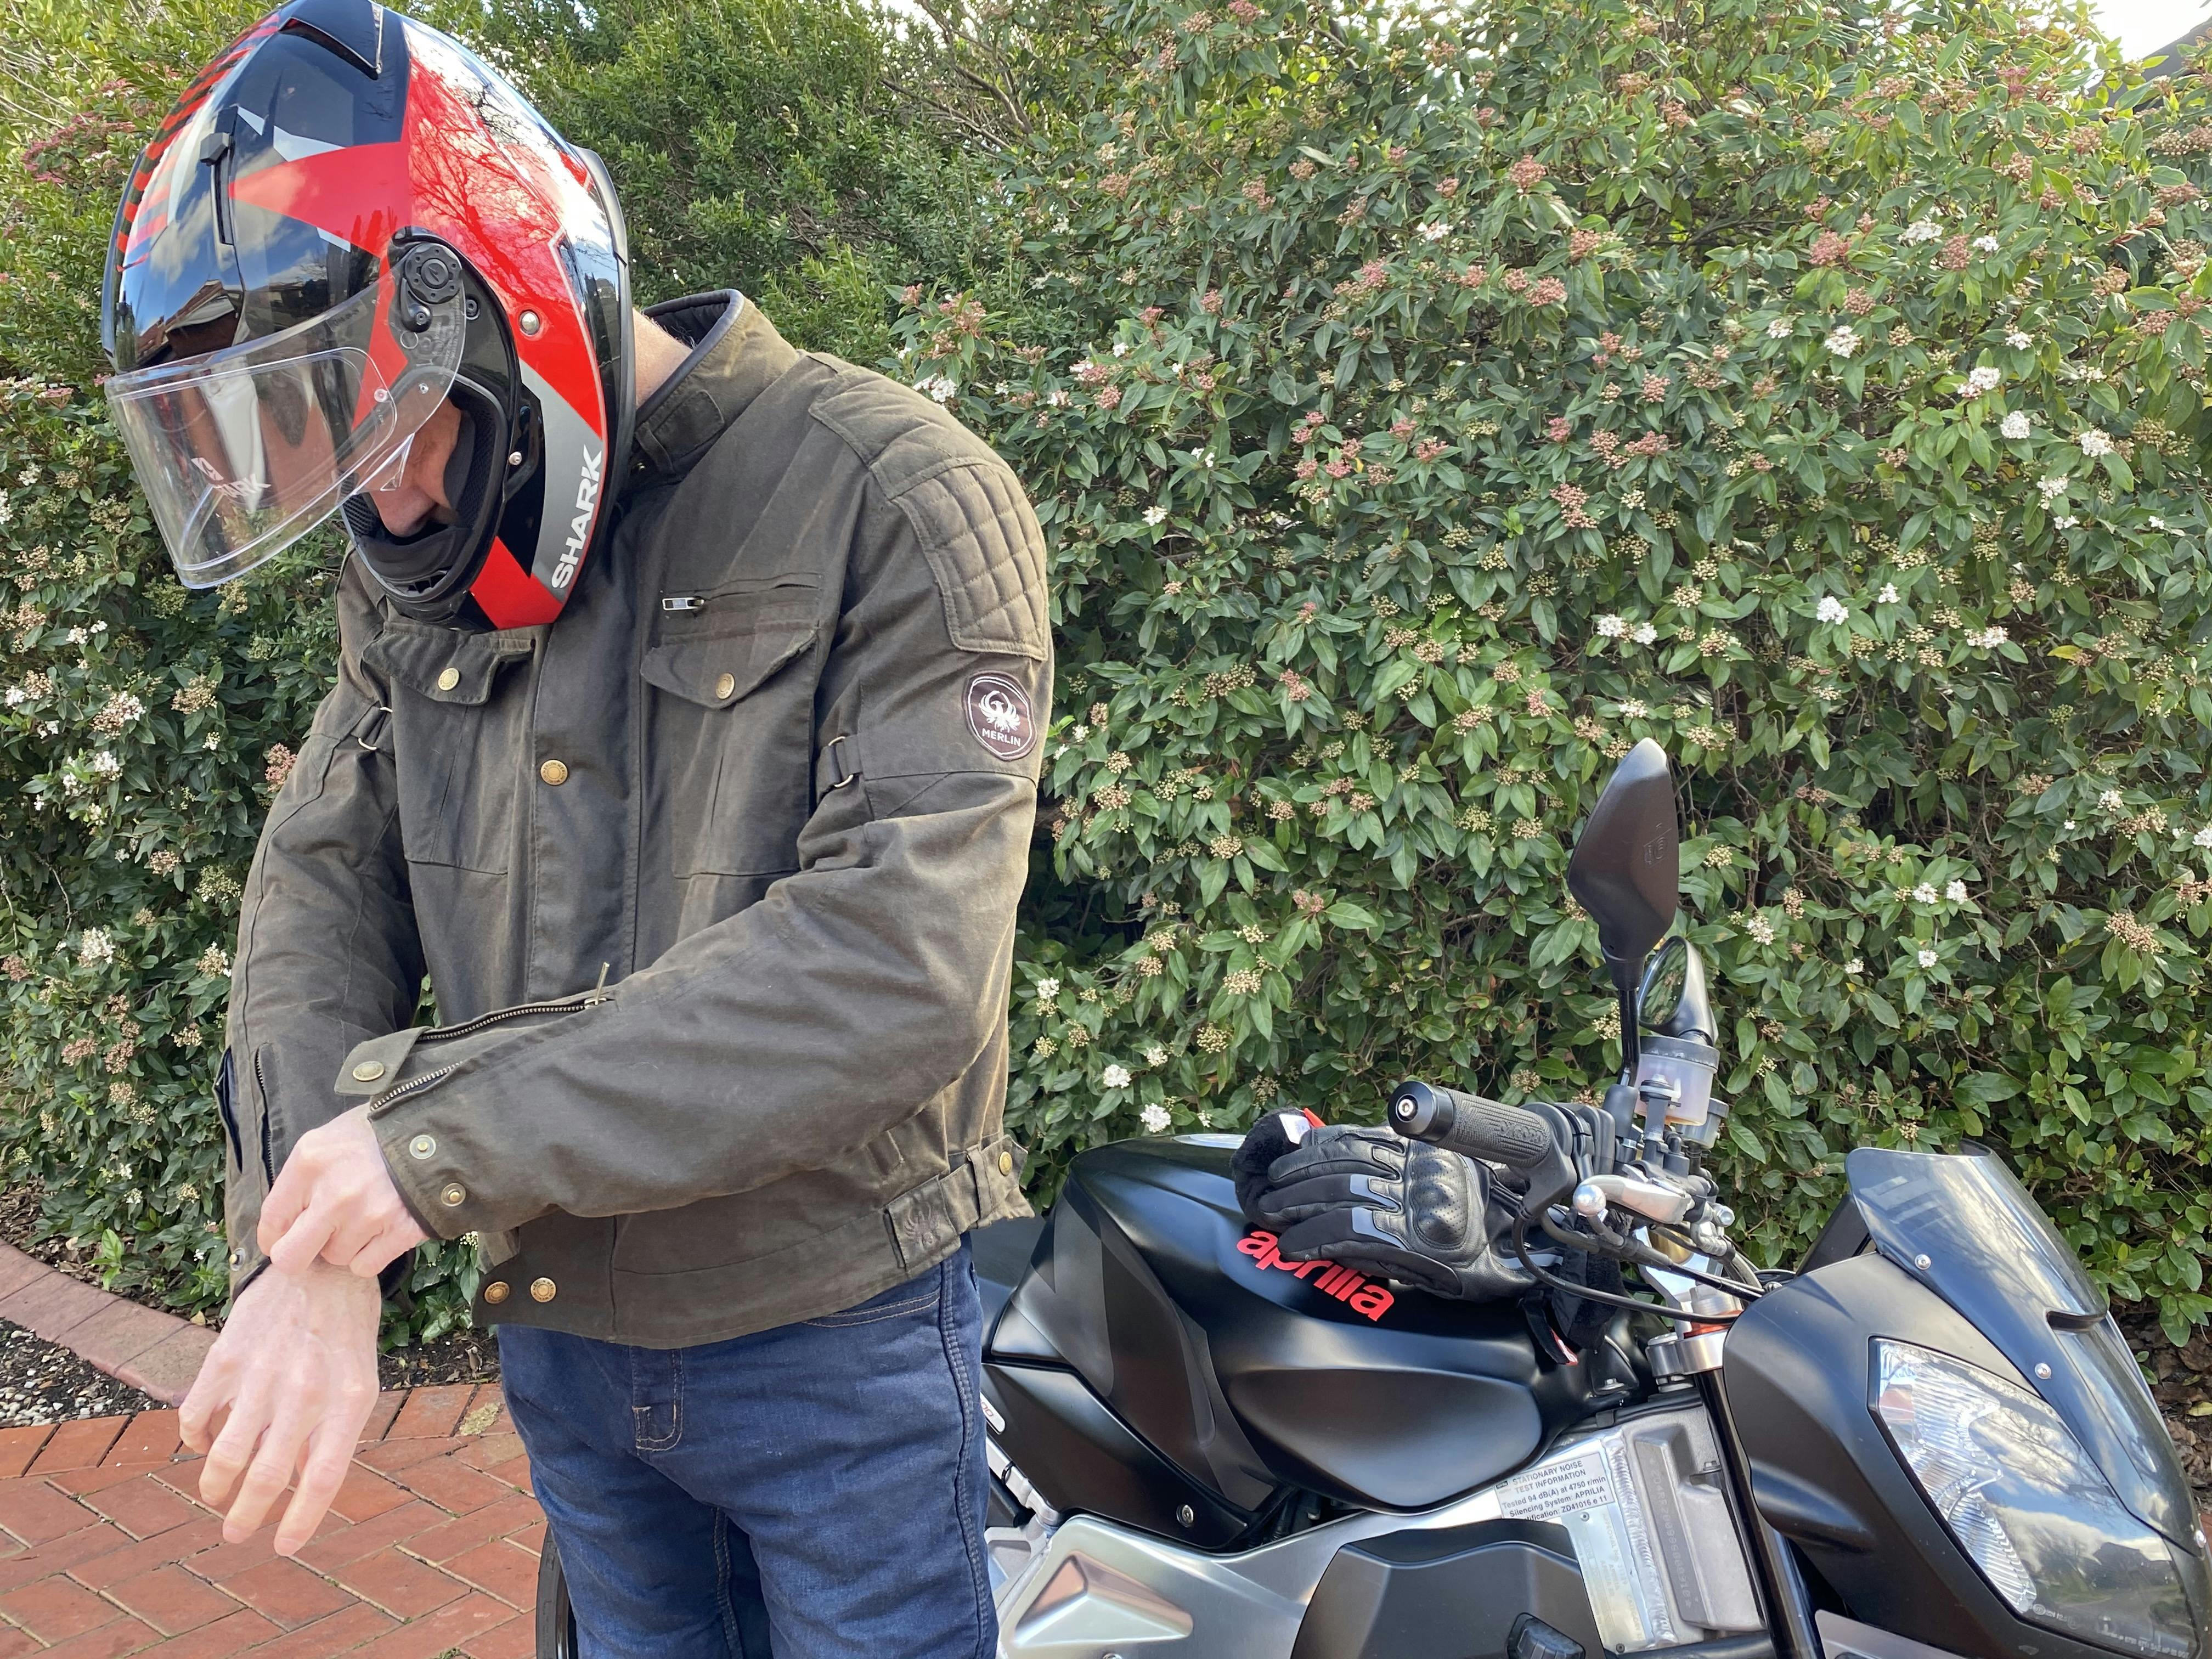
pixel 1391 1208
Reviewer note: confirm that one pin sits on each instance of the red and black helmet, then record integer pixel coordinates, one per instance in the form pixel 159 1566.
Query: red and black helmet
pixel 347 221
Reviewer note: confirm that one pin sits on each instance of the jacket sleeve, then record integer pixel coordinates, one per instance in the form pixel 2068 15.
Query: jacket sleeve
pixel 327 951
pixel 852 992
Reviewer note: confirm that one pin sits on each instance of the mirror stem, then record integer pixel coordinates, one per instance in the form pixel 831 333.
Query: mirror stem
pixel 1625 976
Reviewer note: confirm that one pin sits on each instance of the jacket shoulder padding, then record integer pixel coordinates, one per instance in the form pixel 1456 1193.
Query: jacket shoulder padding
pixel 965 506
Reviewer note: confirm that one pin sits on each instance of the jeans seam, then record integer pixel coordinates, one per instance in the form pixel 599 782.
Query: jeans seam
pixel 834 1321
pixel 964 1393
pixel 732 1638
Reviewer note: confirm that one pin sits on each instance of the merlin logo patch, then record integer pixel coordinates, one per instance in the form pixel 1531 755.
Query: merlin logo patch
pixel 998 715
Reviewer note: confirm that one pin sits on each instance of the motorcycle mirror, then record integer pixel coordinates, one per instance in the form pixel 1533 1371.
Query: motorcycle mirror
pixel 1626 869
pixel 1626 872
pixel 1673 999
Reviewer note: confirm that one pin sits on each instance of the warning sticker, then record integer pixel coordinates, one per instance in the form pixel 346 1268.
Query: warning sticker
pixel 1589 1492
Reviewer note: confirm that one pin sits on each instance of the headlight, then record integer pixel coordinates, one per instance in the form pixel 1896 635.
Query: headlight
pixel 2025 1504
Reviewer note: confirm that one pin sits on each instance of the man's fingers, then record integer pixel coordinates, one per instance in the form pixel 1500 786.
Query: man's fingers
pixel 328 1455
pixel 234 1447
pixel 270 1472
pixel 385 1248
pixel 200 1418
pixel 286 1200
pixel 353 1234
pixel 295 1252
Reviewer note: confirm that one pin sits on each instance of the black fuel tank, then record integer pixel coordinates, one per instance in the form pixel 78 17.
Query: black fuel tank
pixel 1246 1371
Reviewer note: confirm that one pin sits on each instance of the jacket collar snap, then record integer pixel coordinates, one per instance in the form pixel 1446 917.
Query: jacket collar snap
pixel 736 354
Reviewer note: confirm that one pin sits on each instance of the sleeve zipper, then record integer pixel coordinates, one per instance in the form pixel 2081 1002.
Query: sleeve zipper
pixel 414 1085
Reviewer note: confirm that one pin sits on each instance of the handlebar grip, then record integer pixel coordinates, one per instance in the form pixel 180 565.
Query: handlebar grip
pixel 1470 1125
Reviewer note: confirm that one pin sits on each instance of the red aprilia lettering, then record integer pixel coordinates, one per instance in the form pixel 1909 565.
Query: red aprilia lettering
pixel 1356 1290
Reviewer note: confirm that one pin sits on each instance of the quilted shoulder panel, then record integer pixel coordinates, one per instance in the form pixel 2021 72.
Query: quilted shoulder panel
pixel 975 526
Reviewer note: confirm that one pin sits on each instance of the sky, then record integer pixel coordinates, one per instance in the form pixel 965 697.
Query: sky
pixel 2146 24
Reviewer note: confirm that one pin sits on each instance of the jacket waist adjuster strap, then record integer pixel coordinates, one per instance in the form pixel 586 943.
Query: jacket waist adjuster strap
pixel 836 766
pixel 368 731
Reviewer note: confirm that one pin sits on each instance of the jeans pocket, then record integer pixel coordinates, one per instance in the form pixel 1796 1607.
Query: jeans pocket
pixel 919 1295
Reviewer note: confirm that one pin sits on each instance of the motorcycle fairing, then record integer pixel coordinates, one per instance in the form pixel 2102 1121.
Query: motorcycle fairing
pixel 1795 1367
pixel 1966 1228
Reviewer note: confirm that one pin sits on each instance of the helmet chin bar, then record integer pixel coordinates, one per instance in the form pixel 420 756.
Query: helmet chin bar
pixel 428 576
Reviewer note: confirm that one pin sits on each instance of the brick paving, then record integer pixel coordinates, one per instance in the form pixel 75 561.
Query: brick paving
pixel 431 1548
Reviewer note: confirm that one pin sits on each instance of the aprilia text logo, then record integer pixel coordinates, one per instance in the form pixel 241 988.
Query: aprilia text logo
pixel 579 530
pixel 1362 1295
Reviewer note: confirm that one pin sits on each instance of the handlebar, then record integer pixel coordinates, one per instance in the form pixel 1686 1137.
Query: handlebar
pixel 1471 1125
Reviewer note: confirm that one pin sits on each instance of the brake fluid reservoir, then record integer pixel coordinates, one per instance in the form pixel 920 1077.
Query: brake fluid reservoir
pixel 1682 1070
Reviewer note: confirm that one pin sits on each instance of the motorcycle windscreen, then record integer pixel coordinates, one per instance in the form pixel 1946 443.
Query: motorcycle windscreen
pixel 1966 1227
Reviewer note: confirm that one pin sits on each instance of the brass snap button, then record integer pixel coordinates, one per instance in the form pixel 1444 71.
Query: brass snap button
pixel 368 1071
pixel 238 1258
pixel 454 1196
pixel 495 1293
pixel 554 772
pixel 541 1290
pixel 448 678
pixel 1005 1163
pixel 725 685
pixel 422 1145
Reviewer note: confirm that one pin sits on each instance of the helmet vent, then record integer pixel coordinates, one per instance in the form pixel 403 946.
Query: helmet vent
pixel 354 29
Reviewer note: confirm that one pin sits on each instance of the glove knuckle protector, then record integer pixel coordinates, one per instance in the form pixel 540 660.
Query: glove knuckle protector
pixel 1390 1207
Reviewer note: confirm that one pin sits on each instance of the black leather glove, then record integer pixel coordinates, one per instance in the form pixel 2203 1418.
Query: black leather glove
pixel 1391 1208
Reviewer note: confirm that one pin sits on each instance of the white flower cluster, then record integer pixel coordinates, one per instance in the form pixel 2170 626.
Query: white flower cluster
pixel 1115 1077
pixel 1982 379
pixel 1046 989
pixel 2095 441
pixel 1888 594
pixel 1832 610
pixel 1155 1120
pixel 2014 425
pixel 1988 639
pixel 1921 230
pixel 937 387
pixel 95 947
pixel 1843 340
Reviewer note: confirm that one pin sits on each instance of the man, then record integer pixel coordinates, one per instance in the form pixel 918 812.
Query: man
pixel 686 737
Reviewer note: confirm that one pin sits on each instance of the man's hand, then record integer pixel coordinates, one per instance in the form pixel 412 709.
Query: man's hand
pixel 285 1389
pixel 334 1199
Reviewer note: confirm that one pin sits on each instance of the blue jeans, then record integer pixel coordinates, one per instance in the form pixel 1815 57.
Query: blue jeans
pixel 813 1492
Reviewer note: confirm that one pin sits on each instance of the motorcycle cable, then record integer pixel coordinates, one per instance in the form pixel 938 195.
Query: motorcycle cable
pixel 1638 1255
pixel 1605 1299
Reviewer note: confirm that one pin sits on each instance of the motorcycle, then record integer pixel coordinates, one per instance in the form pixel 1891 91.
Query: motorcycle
pixel 1929 1441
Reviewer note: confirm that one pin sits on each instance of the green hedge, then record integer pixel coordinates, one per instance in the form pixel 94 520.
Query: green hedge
pixel 1426 403
pixel 1416 420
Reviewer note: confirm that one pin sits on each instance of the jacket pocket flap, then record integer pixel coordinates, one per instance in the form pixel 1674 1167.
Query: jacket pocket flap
pixel 447 665
pixel 717 672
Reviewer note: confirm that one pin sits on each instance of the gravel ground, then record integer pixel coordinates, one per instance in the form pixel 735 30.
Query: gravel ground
pixel 42 1381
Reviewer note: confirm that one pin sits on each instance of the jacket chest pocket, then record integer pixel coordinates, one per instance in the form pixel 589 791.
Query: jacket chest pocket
pixel 731 748
pixel 460 735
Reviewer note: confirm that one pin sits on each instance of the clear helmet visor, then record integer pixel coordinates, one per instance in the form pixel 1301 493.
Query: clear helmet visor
pixel 243 451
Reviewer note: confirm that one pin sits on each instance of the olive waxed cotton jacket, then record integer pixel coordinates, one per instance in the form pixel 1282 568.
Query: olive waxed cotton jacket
pixel 773 773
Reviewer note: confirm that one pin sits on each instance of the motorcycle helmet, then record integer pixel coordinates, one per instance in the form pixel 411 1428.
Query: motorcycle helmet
pixel 348 222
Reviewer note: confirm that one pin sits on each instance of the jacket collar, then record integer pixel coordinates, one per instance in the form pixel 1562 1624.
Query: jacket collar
pixel 736 354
